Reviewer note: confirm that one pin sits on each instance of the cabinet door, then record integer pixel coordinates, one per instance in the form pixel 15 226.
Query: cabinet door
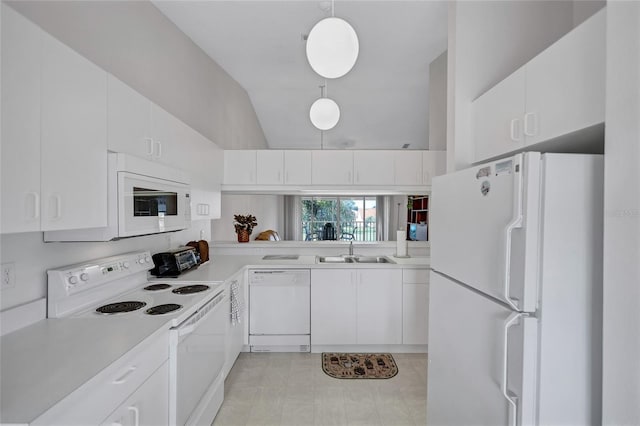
pixel 408 167
pixel 239 167
pixel 297 167
pixel 434 163
pixel 170 139
pixel 129 120
pixel 566 83
pixel 148 405
pixel 379 306
pixel 373 168
pixel 415 313
pixel 333 307
pixel 270 167
pixel 20 168
pixel 498 115
pixel 332 167
pixel 74 140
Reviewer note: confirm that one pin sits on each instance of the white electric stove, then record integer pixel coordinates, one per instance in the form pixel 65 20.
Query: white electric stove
pixel 196 314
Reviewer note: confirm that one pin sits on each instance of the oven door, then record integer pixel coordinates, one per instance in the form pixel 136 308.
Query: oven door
pixel 149 206
pixel 196 358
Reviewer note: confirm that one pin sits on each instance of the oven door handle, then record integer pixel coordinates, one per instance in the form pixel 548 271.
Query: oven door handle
pixel 201 314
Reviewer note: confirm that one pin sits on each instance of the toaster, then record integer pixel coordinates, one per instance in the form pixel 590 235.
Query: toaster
pixel 174 262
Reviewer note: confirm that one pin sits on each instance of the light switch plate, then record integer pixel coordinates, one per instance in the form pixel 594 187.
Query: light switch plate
pixel 8 275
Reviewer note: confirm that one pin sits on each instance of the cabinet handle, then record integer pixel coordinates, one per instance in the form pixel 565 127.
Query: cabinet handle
pixel 58 210
pixel 149 146
pixel 136 415
pixel 513 130
pixel 534 127
pixel 36 204
pixel 159 145
pixel 120 380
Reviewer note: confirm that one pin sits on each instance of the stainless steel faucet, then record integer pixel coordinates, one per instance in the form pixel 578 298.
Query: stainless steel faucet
pixel 351 248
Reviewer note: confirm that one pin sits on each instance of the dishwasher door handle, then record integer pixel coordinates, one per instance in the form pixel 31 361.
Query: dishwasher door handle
pixel 279 284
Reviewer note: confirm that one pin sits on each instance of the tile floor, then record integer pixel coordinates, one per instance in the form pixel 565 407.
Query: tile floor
pixel 291 389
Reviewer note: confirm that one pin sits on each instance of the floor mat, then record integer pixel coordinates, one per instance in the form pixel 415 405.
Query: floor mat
pixel 359 366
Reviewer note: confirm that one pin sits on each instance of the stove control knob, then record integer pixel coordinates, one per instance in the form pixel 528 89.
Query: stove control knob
pixel 73 280
pixel 147 259
pixel 125 265
pixel 141 260
pixel 84 276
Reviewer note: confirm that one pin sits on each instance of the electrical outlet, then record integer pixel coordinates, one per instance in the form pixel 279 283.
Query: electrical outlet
pixel 8 275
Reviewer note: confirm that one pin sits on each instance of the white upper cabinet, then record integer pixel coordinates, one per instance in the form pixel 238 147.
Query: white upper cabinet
pixel 373 167
pixel 240 167
pixel 332 167
pixel 434 163
pixel 270 167
pixel 558 92
pixel 297 164
pixel 498 117
pixel 21 100
pixel 74 140
pixel 566 83
pixel 129 120
pixel 408 167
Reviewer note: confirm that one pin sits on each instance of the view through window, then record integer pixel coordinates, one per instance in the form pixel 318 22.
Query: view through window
pixel 339 218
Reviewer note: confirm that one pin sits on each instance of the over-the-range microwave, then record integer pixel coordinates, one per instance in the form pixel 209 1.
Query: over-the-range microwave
pixel 143 197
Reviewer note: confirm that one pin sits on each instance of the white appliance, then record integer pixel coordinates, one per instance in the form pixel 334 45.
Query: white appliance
pixel 143 197
pixel 280 310
pixel 515 304
pixel 195 313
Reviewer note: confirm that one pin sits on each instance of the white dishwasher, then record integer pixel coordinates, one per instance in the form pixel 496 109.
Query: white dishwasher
pixel 280 310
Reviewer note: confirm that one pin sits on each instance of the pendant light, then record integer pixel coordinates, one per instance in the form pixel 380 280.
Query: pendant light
pixel 332 47
pixel 324 112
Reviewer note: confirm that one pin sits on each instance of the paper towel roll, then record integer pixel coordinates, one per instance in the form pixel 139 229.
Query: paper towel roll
pixel 401 244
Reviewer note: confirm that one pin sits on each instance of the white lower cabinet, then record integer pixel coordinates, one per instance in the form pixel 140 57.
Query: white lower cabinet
pixel 415 306
pixel 147 406
pixel 333 306
pixel 356 306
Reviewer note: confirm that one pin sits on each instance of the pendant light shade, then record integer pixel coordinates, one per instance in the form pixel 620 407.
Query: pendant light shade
pixel 324 113
pixel 332 47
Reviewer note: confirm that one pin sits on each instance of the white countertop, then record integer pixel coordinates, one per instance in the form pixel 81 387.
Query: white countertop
pixel 223 267
pixel 43 363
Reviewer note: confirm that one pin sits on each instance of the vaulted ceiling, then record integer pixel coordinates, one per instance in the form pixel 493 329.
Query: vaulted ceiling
pixel 383 99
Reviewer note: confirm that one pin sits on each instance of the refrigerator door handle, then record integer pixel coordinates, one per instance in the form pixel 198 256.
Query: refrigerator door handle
pixel 511 399
pixel 516 222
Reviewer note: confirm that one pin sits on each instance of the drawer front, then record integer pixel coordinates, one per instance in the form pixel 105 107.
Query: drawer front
pixel 92 402
pixel 415 276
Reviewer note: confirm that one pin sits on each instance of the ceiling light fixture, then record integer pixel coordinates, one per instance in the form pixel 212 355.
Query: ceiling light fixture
pixel 332 47
pixel 324 112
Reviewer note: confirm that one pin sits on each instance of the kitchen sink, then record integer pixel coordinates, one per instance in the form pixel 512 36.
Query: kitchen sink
pixel 335 259
pixel 372 259
pixel 354 259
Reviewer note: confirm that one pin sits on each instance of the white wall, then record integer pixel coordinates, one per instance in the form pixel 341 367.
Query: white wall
pixel 621 330
pixel 134 41
pixel 268 210
pixel 438 103
pixel 488 40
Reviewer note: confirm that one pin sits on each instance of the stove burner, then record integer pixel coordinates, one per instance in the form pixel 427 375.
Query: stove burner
pixel 163 309
pixel 189 289
pixel 156 287
pixel 120 307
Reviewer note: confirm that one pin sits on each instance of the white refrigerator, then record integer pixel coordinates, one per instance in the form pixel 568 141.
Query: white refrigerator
pixel 515 305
